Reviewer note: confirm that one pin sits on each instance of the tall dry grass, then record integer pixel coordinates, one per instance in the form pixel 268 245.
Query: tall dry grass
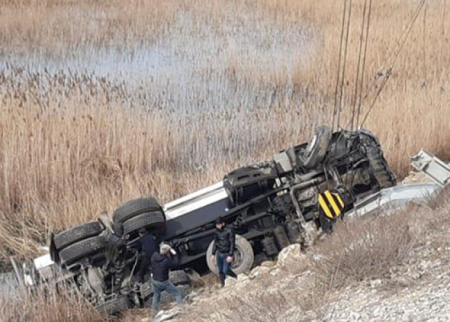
pixel 46 304
pixel 73 144
pixel 68 155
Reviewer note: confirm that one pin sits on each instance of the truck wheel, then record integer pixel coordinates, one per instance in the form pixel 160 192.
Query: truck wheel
pixel 154 219
pixel 135 207
pixel 114 305
pixel 73 235
pixel 243 257
pixel 179 278
pixel 317 148
pixel 82 249
pixel 383 176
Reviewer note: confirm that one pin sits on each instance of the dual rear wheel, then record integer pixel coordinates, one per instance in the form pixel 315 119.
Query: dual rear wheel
pixel 88 241
pixel 139 213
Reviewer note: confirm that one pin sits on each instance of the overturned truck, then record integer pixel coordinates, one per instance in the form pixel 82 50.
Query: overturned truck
pixel 269 205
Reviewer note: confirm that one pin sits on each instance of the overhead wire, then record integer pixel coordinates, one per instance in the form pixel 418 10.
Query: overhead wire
pixel 380 73
pixel 341 95
pixel 360 54
pixel 400 44
pixel 342 62
pixel 364 63
pixel 359 83
pixel 335 109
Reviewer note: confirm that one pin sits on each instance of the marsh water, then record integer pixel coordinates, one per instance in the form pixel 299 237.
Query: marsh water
pixel 193 64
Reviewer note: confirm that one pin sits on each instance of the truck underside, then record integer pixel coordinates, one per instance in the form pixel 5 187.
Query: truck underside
pixel 269 205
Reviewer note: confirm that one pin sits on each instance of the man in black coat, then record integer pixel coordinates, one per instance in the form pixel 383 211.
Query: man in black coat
pixel 223 250
pixel 147 247
pixel 161 265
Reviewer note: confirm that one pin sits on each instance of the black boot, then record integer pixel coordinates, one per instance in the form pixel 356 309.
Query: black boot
pixel 222 279
pixel 231 273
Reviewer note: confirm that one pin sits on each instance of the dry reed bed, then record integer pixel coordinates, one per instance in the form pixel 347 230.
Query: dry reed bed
pixel 73 145
pixel 65 160
pixel 46 304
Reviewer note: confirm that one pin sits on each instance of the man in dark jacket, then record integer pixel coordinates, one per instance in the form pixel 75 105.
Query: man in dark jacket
pixel 147 246
pixel 223 250
pixel 161 264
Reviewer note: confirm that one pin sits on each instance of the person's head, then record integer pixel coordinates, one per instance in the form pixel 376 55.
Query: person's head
pixel 220 223
pixel 164 249
pixel 142 231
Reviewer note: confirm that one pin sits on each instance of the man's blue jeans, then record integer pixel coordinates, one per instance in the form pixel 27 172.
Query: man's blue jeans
pixel 222 263
pixel 159 287
pixel 224 267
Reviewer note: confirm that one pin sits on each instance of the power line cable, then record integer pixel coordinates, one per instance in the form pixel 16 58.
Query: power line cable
pixel 341 96
pixel 396 54
pixel 358 68
pixel 339 66
pixel 364 63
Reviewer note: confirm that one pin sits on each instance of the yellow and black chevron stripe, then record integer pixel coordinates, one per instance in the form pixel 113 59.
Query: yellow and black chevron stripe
pixel 331 204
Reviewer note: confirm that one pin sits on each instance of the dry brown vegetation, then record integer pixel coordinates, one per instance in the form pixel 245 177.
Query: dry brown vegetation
pixel 360 250
pixel 364 250
pixel 73 144
pixel 47 305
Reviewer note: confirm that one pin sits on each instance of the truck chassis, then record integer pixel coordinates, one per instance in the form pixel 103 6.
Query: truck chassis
pixel 269 206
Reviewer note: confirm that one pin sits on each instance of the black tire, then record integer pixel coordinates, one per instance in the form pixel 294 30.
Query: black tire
pixel 379 167
pixel 82 249
pixel 317 147
pixel 243 255
pixel 114 305
pixel 135 207
pixel 381 172
pixel 73 235
pixel 154 220
pixel 179 278
pixel 166 297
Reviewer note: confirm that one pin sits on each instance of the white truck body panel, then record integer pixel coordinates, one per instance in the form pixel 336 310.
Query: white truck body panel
pixel 434 168
pixel 195 200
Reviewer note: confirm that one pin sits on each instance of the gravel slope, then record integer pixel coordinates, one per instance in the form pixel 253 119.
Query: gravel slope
pixel 416 291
